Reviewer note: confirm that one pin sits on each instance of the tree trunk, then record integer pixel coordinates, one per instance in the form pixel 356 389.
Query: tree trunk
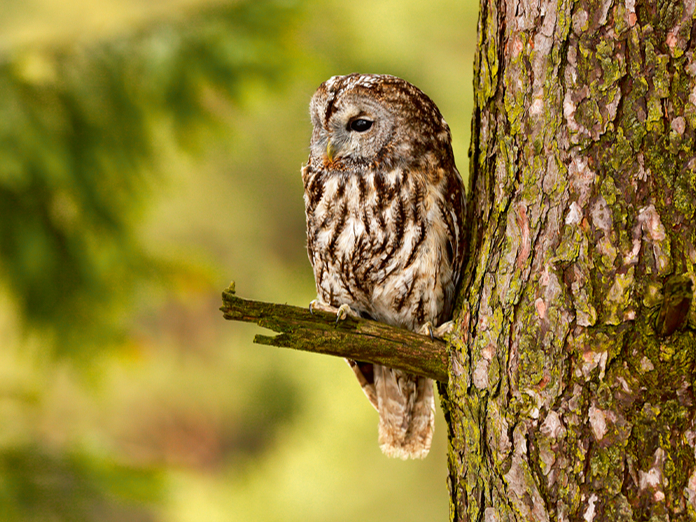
pixel 570 393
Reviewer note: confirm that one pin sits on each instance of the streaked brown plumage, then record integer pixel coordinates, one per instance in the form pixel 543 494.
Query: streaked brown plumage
pixel 384 205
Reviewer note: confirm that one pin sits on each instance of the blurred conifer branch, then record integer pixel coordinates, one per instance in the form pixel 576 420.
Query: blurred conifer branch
pixel 82 128
pixel 318 332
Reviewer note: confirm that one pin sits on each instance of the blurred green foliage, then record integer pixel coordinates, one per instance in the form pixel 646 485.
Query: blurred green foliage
pixel 77 487
pixel 78 140
pixel 150 152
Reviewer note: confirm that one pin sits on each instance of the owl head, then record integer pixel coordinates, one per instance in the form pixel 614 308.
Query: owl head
pixel 375 119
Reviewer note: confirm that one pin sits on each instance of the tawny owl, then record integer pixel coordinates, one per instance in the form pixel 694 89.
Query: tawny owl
pixel 384 205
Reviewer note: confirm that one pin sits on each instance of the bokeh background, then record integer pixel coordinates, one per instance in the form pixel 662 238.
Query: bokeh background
pixel 150 152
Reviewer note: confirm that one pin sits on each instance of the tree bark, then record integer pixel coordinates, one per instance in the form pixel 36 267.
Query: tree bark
pixel 570 392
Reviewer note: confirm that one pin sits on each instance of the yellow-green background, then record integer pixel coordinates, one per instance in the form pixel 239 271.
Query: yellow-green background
pixel 149 154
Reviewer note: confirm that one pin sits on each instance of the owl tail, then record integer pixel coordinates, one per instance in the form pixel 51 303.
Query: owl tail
pixel 406 409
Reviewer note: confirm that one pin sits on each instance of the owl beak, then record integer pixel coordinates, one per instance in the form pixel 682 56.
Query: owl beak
pixel 330 150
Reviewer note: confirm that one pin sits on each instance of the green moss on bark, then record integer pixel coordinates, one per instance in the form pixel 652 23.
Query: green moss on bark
pixel 583 233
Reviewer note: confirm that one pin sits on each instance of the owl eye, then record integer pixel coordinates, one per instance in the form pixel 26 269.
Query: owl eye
pixel 360 125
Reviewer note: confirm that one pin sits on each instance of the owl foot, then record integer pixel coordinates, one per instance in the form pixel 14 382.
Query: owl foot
pixel 427 329
pixel 345 311
pixel 341 312
pixel 439 332
pixel 316 304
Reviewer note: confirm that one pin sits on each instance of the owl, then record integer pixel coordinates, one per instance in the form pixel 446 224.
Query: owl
pixel 384 205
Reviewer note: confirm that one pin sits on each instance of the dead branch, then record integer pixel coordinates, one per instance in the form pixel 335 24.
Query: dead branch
pixel 362 339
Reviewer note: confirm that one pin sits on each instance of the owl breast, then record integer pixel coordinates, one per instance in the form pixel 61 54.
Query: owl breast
pixel 384 242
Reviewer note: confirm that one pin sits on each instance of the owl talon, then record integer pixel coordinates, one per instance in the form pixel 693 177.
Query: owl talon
pixel 444 329
pixel 341 312
pixel 317 305
pixel 344 311
pixel 439 332
pixel 427 329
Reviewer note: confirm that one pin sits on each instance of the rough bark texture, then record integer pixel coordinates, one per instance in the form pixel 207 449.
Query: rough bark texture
pixel 571 377
pixel 358 339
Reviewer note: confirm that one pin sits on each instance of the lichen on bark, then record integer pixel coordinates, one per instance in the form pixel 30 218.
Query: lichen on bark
pixel 570 394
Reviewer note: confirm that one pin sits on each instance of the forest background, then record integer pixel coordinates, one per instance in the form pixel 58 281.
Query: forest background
pixel 150 152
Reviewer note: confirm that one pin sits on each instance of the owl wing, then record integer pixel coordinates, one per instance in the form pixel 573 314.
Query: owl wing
pixel 365 374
